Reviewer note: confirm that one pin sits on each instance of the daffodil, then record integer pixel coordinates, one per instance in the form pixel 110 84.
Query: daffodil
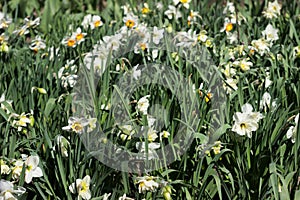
pixel 76 125
pixel 185 3
pixel 266 102
pixel 78 35
pixel 244 64
pixel 164 134
pixel 37 44
pixel 5 169
pixel 273 10
pixel 246 122
pixel 147 183
pixel 157 35
pixel 5 21
pixel 292 131
pixel 261 46
pixel 151 153
pixel 81 187
pixel 173 12
pixel 63 145
pixel 124 197
pixel 32 168
pixel 131 20
pixel 270 33
pixel 143 104
pixel 9 192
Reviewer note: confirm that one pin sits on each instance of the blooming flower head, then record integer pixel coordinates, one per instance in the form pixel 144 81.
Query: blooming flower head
pixel 92 21
pixel 261 46
pixel 173 12
pixel 81 187
pixel 292 132
pixel 69 41
pixel 151 154
pixel 270 33
pixel 5 21
pixel 247 121
pixel 76 124
pixel 5 169
pixel 230 85
pixel 37 44
pixel 145 9
pixel 78 35
pixel 228 25
pixel 273 10
pixel 131 21
pixel 8 191
pixel 244 64
pixel 147 183
pixel 143 104
pixel 32 168
pixel 185 3
pixel 157 35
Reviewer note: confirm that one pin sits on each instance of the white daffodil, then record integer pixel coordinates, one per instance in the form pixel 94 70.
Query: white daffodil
pixel 76 124
pixel 247 121
pixel 147 183
pixel 130 20
pixel 152 134
pixel 17 168
pixel 185 3
pixel 81 187
pixel 63 145
pixel 5 169
pixel 143 104
pixel 9 102
pixel 7 191
pixel 292 132
pixel 32 168
pixel 106 195
pixel 141 146
pixel 164 134
pixel 270 33
pixel 273 10
pixel 266 102
pixel 261 45
pixel 124 197
pixel 112 42
pixel 244 64
pixel 230 85
pixel 173 12
pixel 37 44
pixel 229 8
pixel 229 71
pixel 157 35
pixel 78 35
pixel 126 132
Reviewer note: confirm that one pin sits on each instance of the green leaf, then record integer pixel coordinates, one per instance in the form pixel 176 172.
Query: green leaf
pixel 49 107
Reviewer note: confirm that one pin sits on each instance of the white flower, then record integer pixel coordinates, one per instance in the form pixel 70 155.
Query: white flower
pixel 63 145
pixel 141 146
pixel 82 187
pixel 291 133
pixel 202 36
pixel 92 21
pixel 244 64
pixel 9 102
pixel 17 169
pixel 37 44
pixel 230 85
pixel 143 104
pixel 172 11
pixel 185 3
pixel 112 42
pixel 157 35
pixel 229 7
pixel 7 191
pixel 247 121
pixel 105 196
pixel 273 10
pixel 261 45
pixel 164 134
pixel 4 167
pixel 76 124
pixel 270 33
pixel 32 168
pixel 131 20
pixel 147 183
pixel 124 197
pixel 228 24
pixel 266 102
pixel 152 134
pixel 78 35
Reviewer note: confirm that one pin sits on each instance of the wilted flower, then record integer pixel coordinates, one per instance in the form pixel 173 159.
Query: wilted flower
pixel 291 133
pixel 266 102
pixel 8 191
pixel 81 187
pixel 247 121
pixel 261 45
